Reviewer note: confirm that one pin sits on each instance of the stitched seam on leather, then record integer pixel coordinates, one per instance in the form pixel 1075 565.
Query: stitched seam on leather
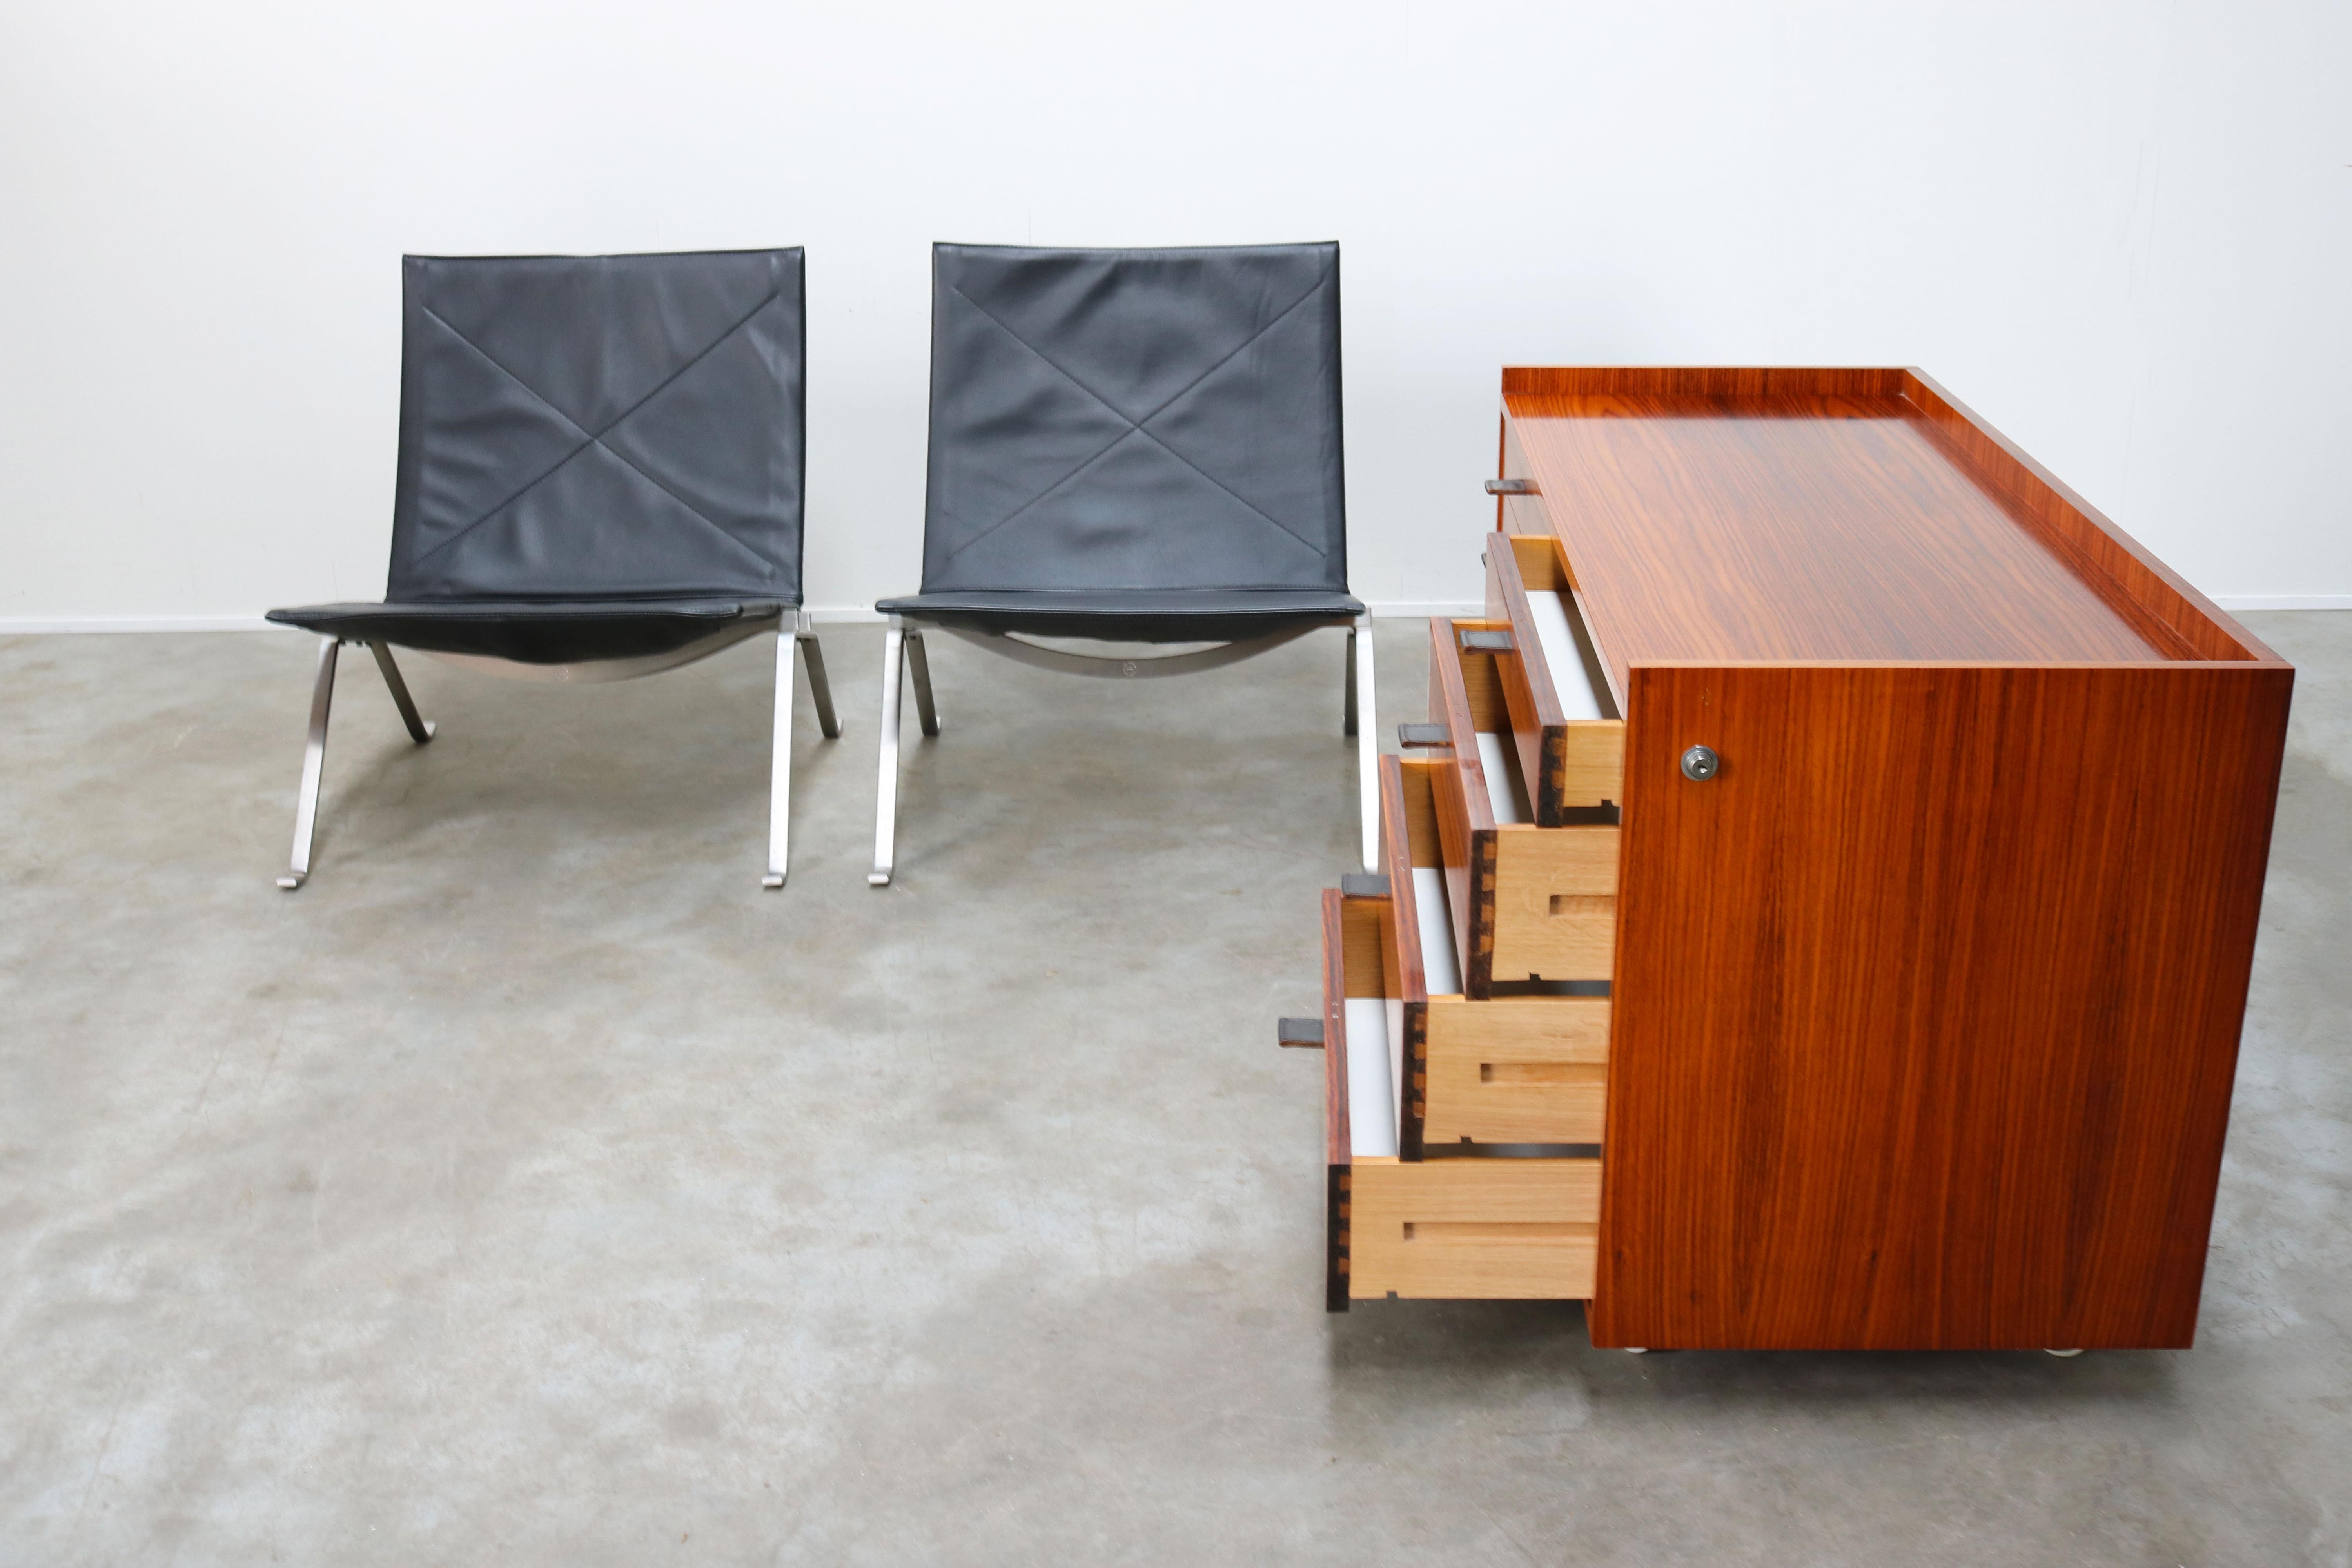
pixel 1108 588
pixel 1228 490
pixel 1171 611
pixel 1093 459
pixel 1134 426
pixel 593 439
pixel 1162 406
pixel 1041 495
pixel 619 610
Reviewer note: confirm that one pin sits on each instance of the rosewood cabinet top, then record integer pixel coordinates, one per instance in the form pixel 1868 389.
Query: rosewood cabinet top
pixel 1829 515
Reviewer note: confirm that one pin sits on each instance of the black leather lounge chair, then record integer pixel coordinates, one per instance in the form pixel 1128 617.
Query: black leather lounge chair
pixel 1131 447
pixel 600 476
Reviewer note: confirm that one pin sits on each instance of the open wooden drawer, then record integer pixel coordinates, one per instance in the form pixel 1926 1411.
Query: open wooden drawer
pixel 1529 902
pixel 1514 1069
pixel 1561 717
pixel 1500 1224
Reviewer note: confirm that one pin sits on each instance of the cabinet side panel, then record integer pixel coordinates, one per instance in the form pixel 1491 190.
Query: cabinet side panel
pixel 1926 1004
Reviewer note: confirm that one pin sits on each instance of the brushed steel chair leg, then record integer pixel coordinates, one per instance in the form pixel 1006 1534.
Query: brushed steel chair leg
pixel 314 763
pixel 919 661
pixel 420 729
pixel 1366 730
pixel 886 792
pixel 780 766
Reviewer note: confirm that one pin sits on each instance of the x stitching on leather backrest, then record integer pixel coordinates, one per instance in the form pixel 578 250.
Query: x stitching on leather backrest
pixel 587 437
pixel 599 427
pixel 1129 420
pixel 1135 427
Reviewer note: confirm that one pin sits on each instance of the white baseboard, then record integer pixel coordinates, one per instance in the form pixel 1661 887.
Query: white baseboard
pixel 2284 601
pixel 860 614
pixel 1381 609
pixel 826 615
pixel 1426 609
pixel 27 626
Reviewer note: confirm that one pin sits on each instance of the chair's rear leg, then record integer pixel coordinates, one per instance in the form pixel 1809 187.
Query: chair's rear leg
pixel 1368 743
pixel 920 662
pixel 780 766
pixel 819 689
pixel 886 792
pixel 420 729
pixel 314 763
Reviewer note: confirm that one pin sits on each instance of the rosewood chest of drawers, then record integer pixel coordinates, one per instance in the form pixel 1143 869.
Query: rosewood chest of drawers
pixel 1818 913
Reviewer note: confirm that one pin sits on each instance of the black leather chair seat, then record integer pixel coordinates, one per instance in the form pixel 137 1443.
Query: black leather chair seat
pixel 555 631
pixel 1130 614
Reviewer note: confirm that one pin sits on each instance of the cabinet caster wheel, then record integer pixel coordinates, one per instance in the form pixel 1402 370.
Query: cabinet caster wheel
pixel 2062 1353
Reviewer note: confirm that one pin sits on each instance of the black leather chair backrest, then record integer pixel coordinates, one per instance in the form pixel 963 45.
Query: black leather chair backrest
pixel 600 427
pixel 1106 419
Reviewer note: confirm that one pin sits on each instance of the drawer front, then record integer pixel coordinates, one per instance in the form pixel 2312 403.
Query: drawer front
pixel 1515 1069
pixel 1563 716
pixel 1456 1228
pixel 1360 1107
pixel 1529 902
pixel 1510 1071
pixel 1545 904
pixel 1459 1226
pixel 1466 697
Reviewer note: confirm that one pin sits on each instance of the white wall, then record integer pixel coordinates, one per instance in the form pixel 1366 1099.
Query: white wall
pixel 2120 232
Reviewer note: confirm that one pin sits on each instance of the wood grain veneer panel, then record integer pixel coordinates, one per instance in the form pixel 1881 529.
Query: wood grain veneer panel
pixel 1367 965
pixel 1926 1006
pixel 1337 1144
pixel 1401 928
pixel 1338 1147
pixel 1465 812
pixel 1704 381
pixel 1810 526
pixel 1416 778
pixel 1568 765
pixel 2159 605
pixel 1396 861
pixel 1531 701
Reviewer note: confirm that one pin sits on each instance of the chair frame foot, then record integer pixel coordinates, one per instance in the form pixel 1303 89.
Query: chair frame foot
pixel 420 729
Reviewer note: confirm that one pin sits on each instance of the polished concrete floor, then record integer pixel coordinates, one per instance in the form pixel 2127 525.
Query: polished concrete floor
pixel 532 1188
